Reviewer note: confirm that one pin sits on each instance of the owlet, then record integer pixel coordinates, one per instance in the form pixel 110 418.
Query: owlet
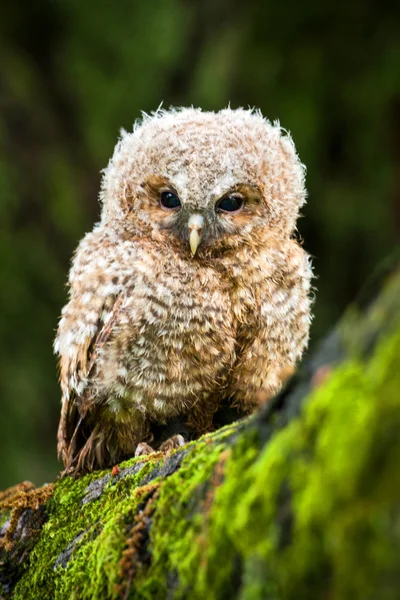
pixel 191 289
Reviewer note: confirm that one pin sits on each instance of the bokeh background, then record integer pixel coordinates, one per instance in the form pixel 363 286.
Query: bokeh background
pixel 73 72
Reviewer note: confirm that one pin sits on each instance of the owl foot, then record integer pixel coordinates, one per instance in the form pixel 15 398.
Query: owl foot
pixel 176 441
pixel 142 449
pixel 67 471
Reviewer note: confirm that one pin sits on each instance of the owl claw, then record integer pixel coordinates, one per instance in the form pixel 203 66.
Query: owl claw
pixel 142 449
pixel 176 441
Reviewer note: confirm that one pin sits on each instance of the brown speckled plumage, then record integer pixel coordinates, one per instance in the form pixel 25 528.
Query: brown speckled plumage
pixel 152 332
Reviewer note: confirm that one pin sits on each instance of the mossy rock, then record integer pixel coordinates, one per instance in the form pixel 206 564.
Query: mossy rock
pixel 299 501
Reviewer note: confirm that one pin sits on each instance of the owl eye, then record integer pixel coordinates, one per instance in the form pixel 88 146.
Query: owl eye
pixel 169 200
pixel 230 204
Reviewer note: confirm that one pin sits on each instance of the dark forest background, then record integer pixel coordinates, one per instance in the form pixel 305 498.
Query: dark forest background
pixel 73 72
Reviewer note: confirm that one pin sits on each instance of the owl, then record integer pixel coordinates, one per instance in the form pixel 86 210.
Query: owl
pixel 190 290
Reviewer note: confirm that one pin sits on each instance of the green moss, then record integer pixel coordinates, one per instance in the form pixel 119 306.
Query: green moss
pixel 99 528
pixel 4 516
pixel 177 531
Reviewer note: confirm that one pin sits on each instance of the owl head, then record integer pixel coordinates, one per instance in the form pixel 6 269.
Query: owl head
pixel 206 181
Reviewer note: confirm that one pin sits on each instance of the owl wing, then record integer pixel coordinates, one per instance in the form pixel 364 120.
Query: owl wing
pixel 86 324
pixel 76 367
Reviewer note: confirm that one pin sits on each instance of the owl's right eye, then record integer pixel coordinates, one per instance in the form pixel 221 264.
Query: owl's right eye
pixel 169 200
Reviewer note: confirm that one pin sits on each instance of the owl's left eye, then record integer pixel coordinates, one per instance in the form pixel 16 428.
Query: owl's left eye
pixel 169 200
pixel 230 204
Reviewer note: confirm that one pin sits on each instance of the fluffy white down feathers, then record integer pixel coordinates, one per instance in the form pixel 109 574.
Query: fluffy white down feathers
pixel 152 332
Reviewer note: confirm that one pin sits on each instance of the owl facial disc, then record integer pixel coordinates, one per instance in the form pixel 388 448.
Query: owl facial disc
pixel 195 224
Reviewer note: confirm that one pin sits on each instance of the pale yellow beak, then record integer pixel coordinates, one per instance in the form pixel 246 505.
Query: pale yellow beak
pixel 194 240
pixel 195 224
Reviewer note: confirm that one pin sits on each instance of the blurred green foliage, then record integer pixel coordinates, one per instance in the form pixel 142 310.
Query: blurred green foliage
pixel 72 73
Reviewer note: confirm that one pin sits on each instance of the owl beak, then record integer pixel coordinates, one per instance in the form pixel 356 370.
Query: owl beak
pixel 195 224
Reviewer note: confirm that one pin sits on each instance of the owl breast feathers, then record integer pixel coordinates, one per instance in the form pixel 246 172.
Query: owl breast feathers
pixel 190 290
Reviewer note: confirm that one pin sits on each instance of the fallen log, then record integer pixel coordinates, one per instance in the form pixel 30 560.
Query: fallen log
pixel 299 501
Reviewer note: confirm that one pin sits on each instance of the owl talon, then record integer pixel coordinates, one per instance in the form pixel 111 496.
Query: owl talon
pixel 176 441
pixel 67 471
pixel 142 449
